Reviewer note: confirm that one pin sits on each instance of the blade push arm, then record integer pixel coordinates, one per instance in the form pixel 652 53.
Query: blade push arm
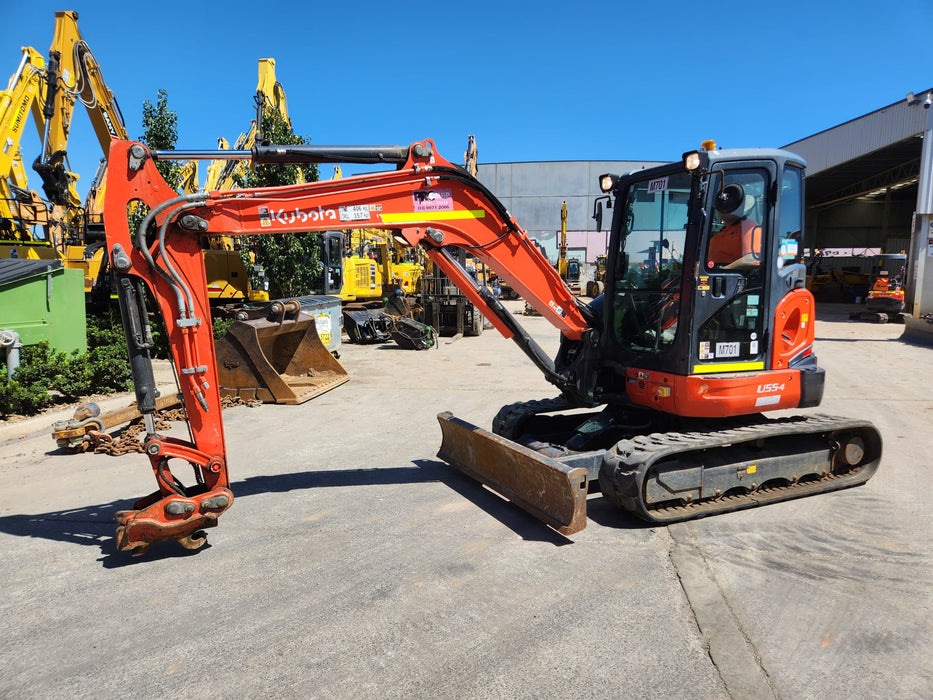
pixel 427 201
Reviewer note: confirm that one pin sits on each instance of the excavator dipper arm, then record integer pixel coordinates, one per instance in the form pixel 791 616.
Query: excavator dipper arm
pixel 426 200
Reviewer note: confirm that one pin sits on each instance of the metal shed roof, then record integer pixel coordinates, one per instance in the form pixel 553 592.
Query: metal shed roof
pixel 13 269
pixel 868 154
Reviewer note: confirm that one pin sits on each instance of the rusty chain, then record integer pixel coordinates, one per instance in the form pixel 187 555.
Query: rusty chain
pixel 128 441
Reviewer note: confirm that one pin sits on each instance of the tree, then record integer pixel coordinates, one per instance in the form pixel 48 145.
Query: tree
pixel 160 132
pixel 292 261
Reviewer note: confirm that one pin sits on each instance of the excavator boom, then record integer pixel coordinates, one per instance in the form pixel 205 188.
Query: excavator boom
pixel 427 201
pixel 22 97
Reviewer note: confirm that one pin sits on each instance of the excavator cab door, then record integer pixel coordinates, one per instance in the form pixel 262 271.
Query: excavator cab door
pixel 648 243
pixel 750 310
pixel 332 262
pixel 730 302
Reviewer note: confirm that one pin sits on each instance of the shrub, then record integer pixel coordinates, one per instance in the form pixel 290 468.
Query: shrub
pixel 46 377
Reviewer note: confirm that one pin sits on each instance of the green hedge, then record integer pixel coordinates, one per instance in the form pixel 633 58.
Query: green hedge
pixel 46 377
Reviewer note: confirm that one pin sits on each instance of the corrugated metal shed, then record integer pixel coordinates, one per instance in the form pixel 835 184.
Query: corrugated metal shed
pixel 876 154
pixel 533 192
pixel 859 137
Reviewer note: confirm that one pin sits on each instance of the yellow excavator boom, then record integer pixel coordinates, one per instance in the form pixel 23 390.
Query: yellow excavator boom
pixel 73 75
pixel 20 209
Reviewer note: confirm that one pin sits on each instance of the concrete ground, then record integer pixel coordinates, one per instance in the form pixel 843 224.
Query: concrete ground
pixel 355 564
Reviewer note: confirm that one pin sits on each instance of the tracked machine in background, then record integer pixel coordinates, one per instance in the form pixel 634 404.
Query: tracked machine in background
pixel 705 325
pixel 885 300
pixel 567 268
pixel 71 230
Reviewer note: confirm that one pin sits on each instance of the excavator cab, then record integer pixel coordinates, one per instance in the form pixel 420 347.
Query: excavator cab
pixel 702 262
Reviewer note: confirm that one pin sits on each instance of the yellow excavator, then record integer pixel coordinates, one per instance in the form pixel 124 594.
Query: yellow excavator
pixel 228 278
pixel 376 267
pixel 25 217
pixel 372 267
pixel 58 225
pixel 567 268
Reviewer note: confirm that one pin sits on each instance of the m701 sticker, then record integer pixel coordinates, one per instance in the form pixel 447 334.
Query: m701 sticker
pixel 657 185
pixel 728 349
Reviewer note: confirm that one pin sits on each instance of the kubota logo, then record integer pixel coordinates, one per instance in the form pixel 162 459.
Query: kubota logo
pixel 284 217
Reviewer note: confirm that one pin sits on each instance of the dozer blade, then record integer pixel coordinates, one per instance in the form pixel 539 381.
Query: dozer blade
pixel 276 361
pixel 552 492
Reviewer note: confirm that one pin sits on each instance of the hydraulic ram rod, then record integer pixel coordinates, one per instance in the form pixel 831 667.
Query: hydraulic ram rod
pixel 299 154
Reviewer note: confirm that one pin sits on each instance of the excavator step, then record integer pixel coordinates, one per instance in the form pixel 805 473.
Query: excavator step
pixel 553 492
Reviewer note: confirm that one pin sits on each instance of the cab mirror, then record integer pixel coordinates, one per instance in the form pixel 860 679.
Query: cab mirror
pixel 598 210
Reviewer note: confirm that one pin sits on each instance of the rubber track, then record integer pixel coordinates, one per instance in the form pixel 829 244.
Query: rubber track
pixel 509 417
pixel 625 466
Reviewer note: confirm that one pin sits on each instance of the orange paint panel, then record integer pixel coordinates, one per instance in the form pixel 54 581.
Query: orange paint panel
pixel 713 396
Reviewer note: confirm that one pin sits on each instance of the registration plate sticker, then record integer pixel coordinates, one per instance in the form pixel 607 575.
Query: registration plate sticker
pixel 727 349
pixel 355 212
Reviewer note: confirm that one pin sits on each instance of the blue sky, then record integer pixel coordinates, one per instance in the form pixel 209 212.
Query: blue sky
pixel 532 80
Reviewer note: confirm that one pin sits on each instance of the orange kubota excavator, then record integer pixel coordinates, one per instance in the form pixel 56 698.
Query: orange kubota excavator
pixel 677 360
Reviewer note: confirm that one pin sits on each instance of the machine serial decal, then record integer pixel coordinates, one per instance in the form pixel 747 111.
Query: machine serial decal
pixel 268 218
pixel 432 200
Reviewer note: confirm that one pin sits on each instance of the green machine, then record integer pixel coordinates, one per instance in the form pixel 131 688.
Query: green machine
pixel 42 300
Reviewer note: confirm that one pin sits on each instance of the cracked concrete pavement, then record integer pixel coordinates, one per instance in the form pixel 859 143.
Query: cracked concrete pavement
pixel 354 564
